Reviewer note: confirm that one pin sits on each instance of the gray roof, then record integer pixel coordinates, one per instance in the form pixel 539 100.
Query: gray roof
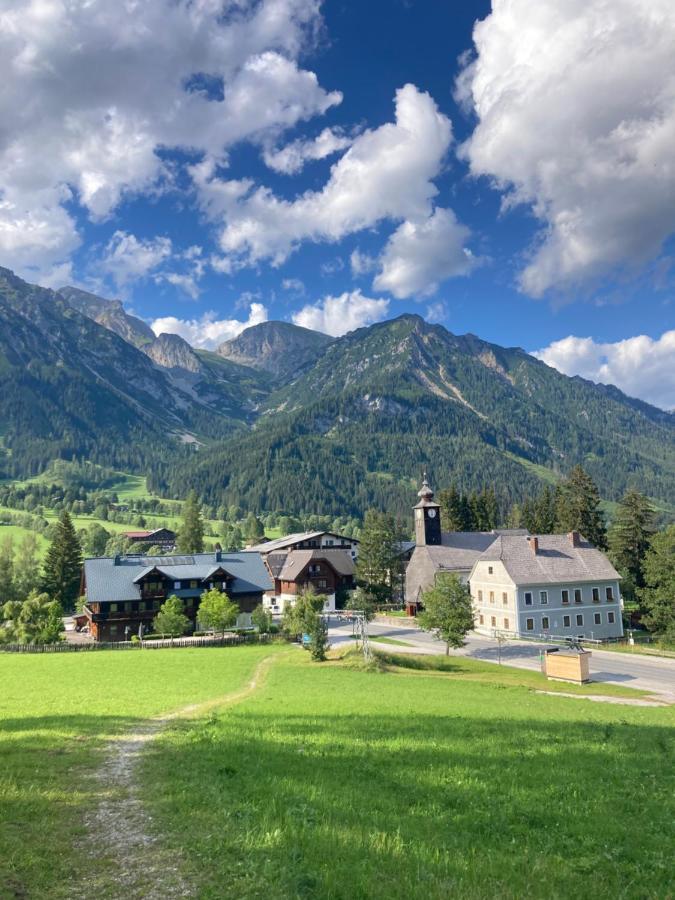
pixel 457 552
pixel 109 581
pixel 296 561
pixel 556 561
pixel 288 540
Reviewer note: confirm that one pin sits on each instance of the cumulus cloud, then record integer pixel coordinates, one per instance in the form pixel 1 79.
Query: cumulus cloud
pixel 95 93
pixel 420 255
pixel 208 332
pixel 127 258
pixel 362 263
pixel 292 158
pixel 338 315
pixel 575 102
pixel 387 173
pixel 640 366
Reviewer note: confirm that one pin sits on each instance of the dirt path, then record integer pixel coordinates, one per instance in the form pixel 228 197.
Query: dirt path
pixel 607 698
pixel 122 854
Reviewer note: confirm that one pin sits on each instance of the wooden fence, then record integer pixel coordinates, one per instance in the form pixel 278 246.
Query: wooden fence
pixel 65 647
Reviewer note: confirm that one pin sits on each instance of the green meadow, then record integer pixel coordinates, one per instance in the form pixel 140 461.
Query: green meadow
pixel 437 779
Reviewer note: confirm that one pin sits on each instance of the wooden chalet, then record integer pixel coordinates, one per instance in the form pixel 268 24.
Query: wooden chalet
pixel 164 538
pixel 124 593
pixel 328 572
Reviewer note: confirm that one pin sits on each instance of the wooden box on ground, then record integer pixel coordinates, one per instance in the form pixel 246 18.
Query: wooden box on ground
pixel 568 666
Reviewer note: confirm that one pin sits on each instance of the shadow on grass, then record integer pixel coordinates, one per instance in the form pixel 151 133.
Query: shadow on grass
pixel 359 805
pixel 44 792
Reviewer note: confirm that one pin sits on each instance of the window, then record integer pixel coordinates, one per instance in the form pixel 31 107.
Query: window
pixel 480 619
pixel 506 624
pixel 113 607
pixel 493 622
pixel 609 594
pixel 176 585
pixel 544 623
pixel 610 618
pixel 543 597
pixel 566 622
pixel 529 624
pixel 113 629
pixel 597 619
pixel 194 584
pixel 580 620
pixel 577 595
pixel 127 607
pixel 490 570
pixel 480 596
pixel 565 596
pixel 492 596
pixel 528 598
pixel 505 599
pixel 322 582
pixel 596 595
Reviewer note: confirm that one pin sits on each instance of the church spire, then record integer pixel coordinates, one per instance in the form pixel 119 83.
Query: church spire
pixel 427 517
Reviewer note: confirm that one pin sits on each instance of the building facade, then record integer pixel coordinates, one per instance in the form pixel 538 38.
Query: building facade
pixel 328 572
pixel 521 585
pixel 124 593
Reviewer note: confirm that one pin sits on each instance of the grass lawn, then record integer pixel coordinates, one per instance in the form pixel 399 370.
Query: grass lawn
pixel 56 713
pixel 454 779
pixel 388 640
pixel 333 782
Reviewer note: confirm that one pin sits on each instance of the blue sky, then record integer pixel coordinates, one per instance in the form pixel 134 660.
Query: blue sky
pixel 502 169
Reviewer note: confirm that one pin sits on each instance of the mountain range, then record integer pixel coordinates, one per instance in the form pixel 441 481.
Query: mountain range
pixel 284 418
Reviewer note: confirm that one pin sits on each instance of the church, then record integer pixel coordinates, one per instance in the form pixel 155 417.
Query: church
pixel 521 584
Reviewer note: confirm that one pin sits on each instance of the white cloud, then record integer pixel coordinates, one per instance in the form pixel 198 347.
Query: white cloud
pixel 294 286
pixel 292 158
pixel 127 258
pixel 640 366
pixel 208 332
pixel 387 173
pixel 576 117
pixel 436 312
pixel 419 255
pixel 361 263
pixel 97 88
pixel 338 315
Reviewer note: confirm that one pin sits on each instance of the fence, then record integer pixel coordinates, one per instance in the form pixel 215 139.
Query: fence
pixel 65 647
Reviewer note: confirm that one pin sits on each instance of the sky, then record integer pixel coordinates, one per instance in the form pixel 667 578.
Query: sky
pixel 504 169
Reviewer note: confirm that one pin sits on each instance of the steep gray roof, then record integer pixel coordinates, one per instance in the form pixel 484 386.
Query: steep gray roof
pixel 556 561
pixel 108 581
pixel 296 561
pixel 288 540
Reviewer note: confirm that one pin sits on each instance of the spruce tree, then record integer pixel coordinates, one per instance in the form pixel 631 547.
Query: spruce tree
pixel 191 531
pixel 545 511
pixel 578 508
pixel 379 564
pixel 451 511
pixel 63 564
pixel 629 539
pixel 658 595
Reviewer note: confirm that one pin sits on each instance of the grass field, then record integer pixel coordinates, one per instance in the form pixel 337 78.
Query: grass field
pixel 331 781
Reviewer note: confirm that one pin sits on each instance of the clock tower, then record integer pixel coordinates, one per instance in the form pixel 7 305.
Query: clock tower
pixel 427 518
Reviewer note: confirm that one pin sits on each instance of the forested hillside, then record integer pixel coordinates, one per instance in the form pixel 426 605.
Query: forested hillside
pixel 331 426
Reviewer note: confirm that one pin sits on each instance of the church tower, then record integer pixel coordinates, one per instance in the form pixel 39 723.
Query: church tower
pixel 427 518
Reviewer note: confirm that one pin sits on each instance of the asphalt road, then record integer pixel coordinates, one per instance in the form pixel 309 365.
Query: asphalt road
pixel 647 673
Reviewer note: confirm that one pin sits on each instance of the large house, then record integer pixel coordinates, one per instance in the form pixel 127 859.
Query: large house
pixel 549 584
pixel 521 584
pixel 321 560
pixel 124 593
pixel 328 572
pixel 309 540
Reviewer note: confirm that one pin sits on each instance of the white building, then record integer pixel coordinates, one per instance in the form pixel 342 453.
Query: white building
pixel 550 584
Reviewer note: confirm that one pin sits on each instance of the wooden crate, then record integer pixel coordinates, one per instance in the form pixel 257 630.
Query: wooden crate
pixel 566 666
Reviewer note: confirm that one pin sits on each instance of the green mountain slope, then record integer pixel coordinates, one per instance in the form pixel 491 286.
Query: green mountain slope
pixel 279 348
pixel 381 403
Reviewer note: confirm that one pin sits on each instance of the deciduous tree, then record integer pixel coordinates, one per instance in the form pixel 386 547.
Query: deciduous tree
pixel 217 612
pixel 171 619
pixel 447 611
pixel 35 621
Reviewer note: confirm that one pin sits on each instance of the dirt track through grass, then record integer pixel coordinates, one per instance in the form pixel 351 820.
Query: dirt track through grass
pixel 127 856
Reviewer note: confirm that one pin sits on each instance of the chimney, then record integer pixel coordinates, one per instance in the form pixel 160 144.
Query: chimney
pixel 116 561
pixel 219 554
pixel 574 537
pixel 534 544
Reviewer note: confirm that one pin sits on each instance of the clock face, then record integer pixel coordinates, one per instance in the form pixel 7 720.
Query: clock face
pixel 432 513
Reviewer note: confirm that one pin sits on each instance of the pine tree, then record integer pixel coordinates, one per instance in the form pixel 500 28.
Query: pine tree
pixel 578 508
pixel 545 512
pixel 658 595
pixel 451 510
pixel 63 564
pixel 191 531
pixel 629 539
pixel 379 565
